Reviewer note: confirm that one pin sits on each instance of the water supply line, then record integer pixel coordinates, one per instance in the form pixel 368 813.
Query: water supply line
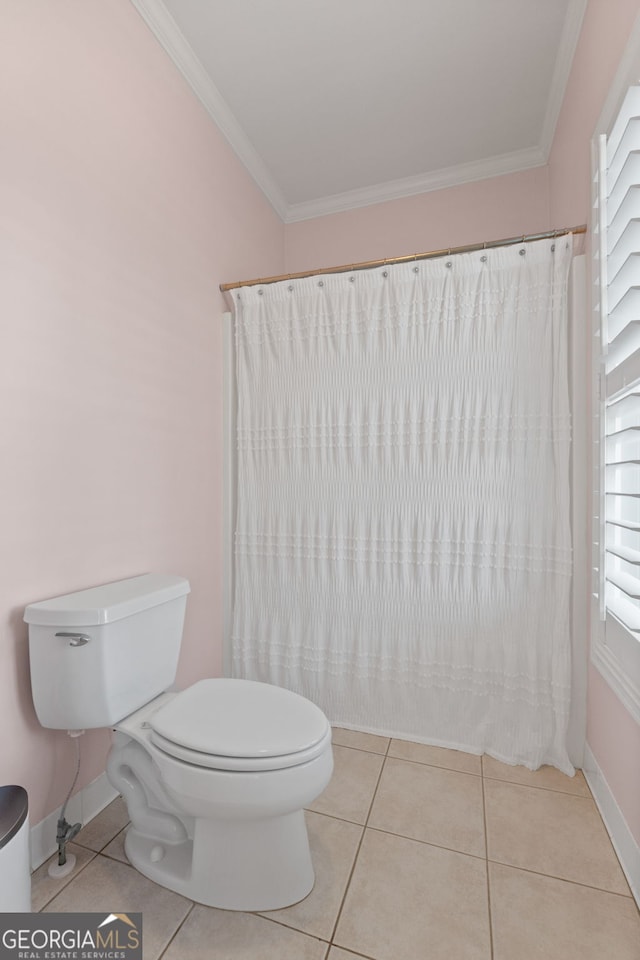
pixel 66 831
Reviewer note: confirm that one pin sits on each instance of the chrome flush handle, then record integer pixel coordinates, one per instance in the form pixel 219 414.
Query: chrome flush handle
pixel 75 639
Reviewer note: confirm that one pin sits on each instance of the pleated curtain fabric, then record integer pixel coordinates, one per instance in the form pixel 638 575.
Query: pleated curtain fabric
pixel 402 546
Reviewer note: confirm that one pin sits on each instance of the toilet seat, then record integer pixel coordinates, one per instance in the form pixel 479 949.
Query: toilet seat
pixel 239 764
pixel 240 725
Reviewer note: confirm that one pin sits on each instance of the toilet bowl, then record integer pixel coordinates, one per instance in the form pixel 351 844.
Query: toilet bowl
pixel 215 777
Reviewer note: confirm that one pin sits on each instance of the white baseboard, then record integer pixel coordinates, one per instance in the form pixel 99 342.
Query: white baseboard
pixel 623 840
pixel 82 807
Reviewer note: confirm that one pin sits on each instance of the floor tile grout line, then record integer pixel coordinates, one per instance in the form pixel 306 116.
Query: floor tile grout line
pixel 486 861
pixel 355 859
pixel 538 786
pixel 350 746
pixel 470 773
pixel 356 953
pixel 435 766
pixel 177 930
pixel 71 878
pixel 553 876
pixel 333 816
pixel 375 791
pixel 104 845
pixel 102 849
pixel 432 766
pixel 427 843
pixel 111 856
pixel 279 923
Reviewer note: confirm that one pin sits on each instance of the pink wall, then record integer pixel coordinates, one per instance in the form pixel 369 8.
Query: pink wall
pixel 612 734
pixel 491 209
pixel 122 211
pixel 605 31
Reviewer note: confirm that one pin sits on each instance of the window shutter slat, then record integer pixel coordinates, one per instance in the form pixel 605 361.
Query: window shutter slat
pixel 627 309
pixel 628 210
pixel 627 278
pixel 625 374
pixel 626 247
pixel 625 553
pixel 618 154
pixel 629 177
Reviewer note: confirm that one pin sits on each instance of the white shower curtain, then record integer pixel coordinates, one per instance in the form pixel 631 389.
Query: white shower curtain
pixel 402 546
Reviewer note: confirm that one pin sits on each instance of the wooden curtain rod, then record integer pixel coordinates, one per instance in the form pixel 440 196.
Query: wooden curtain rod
pixel 370 264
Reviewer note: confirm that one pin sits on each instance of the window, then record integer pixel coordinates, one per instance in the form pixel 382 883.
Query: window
pixel 616 646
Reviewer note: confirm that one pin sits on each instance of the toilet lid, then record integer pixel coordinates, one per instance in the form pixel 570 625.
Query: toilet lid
pixel 240 718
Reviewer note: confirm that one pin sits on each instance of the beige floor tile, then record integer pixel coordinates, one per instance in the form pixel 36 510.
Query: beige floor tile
pixel 547 777
pixel 361 741
pixel 432 804
pixel 107 886
pixel 552 833
pixel 44 887
pixel 410 900
pixel 103 828
pixel 334 844
pixel 436 756
pixel 352 786
pixel 210 934
pixel 539 917
pixel 337 953
pixel 115 849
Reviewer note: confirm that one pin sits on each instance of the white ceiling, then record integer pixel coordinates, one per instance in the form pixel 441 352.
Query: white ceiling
pixel 333 104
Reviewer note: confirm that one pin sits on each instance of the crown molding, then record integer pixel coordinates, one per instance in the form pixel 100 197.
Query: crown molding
pixel 564 62
pixel 170 37
pixel 168 34
pixel 514 162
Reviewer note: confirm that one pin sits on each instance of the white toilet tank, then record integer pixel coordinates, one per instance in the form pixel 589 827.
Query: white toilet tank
pixel 99 654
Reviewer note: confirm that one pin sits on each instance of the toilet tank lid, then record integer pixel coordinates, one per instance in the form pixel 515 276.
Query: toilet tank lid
pixel 108 602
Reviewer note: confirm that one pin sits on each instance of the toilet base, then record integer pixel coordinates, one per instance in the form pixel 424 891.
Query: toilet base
pixel 249 865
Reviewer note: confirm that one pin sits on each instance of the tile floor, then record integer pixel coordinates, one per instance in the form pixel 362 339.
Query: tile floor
pixel 420 854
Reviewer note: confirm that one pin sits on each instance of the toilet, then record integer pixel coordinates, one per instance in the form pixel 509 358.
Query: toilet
pixel 216 776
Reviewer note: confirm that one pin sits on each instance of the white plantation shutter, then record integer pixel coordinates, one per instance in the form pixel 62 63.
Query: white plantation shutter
pixel 620 390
